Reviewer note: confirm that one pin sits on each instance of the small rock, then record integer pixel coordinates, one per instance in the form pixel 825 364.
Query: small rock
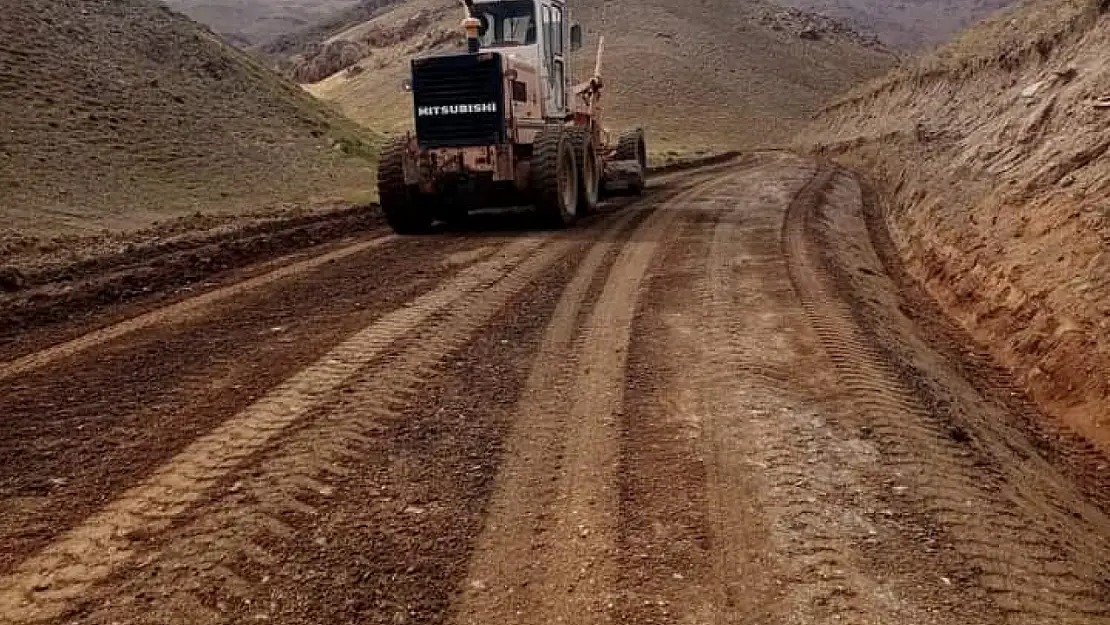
pixel 959 435
pixel 1065 75
pixel 810 33
pixel 1103 103
pixel 1032 90
pixel 415 510
pixel 478 585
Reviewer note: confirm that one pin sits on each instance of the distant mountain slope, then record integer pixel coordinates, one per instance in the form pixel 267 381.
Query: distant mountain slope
pixel 710 74
pixel 116 114
pixel 250 22
pixel 908 24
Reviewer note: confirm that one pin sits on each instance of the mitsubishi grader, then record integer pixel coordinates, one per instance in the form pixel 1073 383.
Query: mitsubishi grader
pixel 503 125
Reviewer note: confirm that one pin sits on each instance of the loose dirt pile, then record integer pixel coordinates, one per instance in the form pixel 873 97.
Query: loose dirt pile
pixel 120 116
pixel 993 156
pixel 715 75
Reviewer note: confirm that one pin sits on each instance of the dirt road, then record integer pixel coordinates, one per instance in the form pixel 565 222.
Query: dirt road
pixel 724 403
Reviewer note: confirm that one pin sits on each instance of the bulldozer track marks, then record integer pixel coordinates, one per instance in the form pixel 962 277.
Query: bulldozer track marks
pixel 1034 564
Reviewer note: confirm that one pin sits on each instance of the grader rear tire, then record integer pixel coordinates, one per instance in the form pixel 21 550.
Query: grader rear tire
pixel 555 177
pixel 406 210
pixel 589 169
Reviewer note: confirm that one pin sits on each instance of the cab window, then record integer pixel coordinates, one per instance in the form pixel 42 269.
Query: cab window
pixel 506 23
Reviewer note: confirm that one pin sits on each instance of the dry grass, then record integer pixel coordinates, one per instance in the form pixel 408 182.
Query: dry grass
pixel 117 114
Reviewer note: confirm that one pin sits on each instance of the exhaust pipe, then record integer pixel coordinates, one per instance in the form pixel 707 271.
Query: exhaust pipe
pixel 472 26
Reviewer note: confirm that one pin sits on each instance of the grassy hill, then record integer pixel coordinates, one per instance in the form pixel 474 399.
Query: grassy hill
pixel 994 156
pixel 705 75
pixel 119 114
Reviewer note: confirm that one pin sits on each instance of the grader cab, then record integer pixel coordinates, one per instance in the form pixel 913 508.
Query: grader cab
pixel 504 125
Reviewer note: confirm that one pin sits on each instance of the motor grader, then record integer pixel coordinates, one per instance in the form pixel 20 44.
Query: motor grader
pixel 503 125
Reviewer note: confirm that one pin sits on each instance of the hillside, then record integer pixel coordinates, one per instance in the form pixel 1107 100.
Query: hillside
pixel 252 22
pixel 993 156
pixel 702 75
pixel 119 114
pixel 911 24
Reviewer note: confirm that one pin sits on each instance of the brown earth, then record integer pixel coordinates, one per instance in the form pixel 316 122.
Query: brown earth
pixel 703 76
pixel 992 158
pixel 725 402
pixel 120 117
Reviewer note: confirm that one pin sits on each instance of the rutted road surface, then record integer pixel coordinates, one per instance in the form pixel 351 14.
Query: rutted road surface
pixel 724 403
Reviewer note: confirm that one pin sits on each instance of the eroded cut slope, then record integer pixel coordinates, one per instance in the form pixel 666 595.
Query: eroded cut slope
pixel 993 157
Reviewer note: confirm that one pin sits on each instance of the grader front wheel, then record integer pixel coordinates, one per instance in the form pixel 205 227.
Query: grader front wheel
pixel 589 169
pixel 555 177
pixel 632 146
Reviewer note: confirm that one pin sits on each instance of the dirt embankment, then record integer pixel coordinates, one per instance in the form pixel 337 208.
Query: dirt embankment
pixel 993 157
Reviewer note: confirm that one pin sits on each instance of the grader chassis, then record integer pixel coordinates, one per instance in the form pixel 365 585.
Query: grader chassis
pixel 502 125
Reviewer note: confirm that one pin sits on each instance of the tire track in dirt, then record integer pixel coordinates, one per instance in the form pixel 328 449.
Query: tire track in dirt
pixel 956 481
pixel 302 474
pixel 547 551
pixel 79 432
pixel 182 311
pixel 740 498
pixel 799 507
pixel 49 583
